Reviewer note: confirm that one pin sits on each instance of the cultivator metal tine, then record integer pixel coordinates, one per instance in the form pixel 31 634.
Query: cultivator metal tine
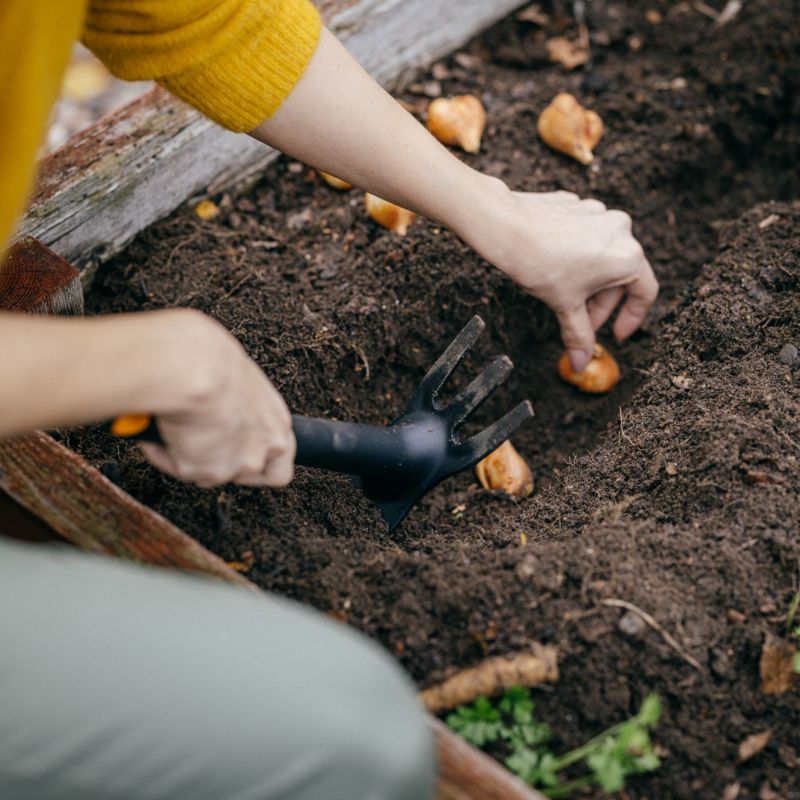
pixel 477 391
pixel 438 374
pixel 481 444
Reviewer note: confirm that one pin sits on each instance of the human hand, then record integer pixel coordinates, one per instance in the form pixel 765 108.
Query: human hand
pixel 576 255
pixel 232 424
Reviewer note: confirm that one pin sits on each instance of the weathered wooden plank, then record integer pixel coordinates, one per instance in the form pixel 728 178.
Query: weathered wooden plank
pixel 468 774
pixel 35 280
pixel 17 522
pixel 135 166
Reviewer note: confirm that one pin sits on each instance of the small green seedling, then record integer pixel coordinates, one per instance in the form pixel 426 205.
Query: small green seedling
pixel 509 724
pixel 794 629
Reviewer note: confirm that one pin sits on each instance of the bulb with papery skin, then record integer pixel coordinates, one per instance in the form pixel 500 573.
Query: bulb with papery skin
pixel 337 183
pixel 599 376
pixel 395 218
pixel 566 126
pixel 504 470
pixel 458 120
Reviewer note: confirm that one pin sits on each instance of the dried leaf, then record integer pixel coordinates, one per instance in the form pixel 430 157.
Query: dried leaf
pixel 428 88
pixel 767 221
pixel 777 665
pixel 569 54
pixel 731 791
pixel 533 13
pixel 468 61
pixel 762 476
pixel 766 792
pixel 732 8
pixel 682 381
pixel 753 745
pixel 417 107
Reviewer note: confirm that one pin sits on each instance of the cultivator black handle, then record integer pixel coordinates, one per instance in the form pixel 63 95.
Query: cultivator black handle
pixel 347 447
pixel 395 465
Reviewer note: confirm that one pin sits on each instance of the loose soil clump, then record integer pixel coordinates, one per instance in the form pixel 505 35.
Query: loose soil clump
pixel 678 492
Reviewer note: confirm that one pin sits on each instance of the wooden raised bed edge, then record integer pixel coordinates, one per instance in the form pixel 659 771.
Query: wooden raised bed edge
pixel 135 166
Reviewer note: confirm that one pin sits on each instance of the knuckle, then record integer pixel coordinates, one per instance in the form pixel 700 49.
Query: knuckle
pixel 282 477
pixel 203 476
pixel 185 471
pixel 253 461
pixel 278 472
pixel 282 444
pixel 623 219
pixel 596 205
pixel 211 477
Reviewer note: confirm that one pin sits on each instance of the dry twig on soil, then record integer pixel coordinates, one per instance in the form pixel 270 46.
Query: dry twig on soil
pixel 492 676
pixel 665 635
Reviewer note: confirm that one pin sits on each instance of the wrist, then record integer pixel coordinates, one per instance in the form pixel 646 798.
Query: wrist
pixel 190 361
pixel 485 217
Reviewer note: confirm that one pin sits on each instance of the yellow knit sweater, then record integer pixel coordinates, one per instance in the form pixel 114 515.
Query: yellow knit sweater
pixel 235 60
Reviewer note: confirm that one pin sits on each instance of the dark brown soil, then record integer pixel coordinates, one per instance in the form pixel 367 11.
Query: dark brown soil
pixel 678 492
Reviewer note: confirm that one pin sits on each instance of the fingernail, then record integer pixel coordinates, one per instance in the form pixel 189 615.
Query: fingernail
pixel 579 359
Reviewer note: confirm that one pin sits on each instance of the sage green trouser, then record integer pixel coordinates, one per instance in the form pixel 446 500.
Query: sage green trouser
pixel 118 681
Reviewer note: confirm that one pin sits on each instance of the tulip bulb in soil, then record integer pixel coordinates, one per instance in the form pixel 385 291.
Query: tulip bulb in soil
pixel 570 128
pixel 387 214
pixel 337 183
pixel 599 376
pixel 505 470
pixel 458 120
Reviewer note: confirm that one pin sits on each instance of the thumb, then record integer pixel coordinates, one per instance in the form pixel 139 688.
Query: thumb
pixel 159 456
pixel 577 334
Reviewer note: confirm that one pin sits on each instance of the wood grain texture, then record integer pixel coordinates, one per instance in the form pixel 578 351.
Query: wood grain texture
pixel 468 774
pixel 34 280
pixel 135 166
pixel 82 506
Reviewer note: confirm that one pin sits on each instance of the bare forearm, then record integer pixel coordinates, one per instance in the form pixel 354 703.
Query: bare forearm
pixel 339 120
pixel 578 256
pixel 66 371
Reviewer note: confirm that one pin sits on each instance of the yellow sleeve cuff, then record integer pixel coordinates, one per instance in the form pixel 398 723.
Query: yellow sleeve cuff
pixel 234 60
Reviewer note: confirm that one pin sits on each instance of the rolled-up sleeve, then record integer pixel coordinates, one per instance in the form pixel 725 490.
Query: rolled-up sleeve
pixel 234 60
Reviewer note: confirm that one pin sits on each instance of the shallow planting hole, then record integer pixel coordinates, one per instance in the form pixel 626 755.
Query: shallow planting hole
pixel 677 491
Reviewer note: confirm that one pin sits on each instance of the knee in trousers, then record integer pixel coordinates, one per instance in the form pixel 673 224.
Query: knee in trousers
pixel 385 737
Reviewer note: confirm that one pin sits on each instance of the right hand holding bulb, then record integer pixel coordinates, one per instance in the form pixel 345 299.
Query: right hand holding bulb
pixel 578 256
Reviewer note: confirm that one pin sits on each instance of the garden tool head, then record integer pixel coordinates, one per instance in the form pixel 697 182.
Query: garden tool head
pixel 397 464
pixel 429 447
